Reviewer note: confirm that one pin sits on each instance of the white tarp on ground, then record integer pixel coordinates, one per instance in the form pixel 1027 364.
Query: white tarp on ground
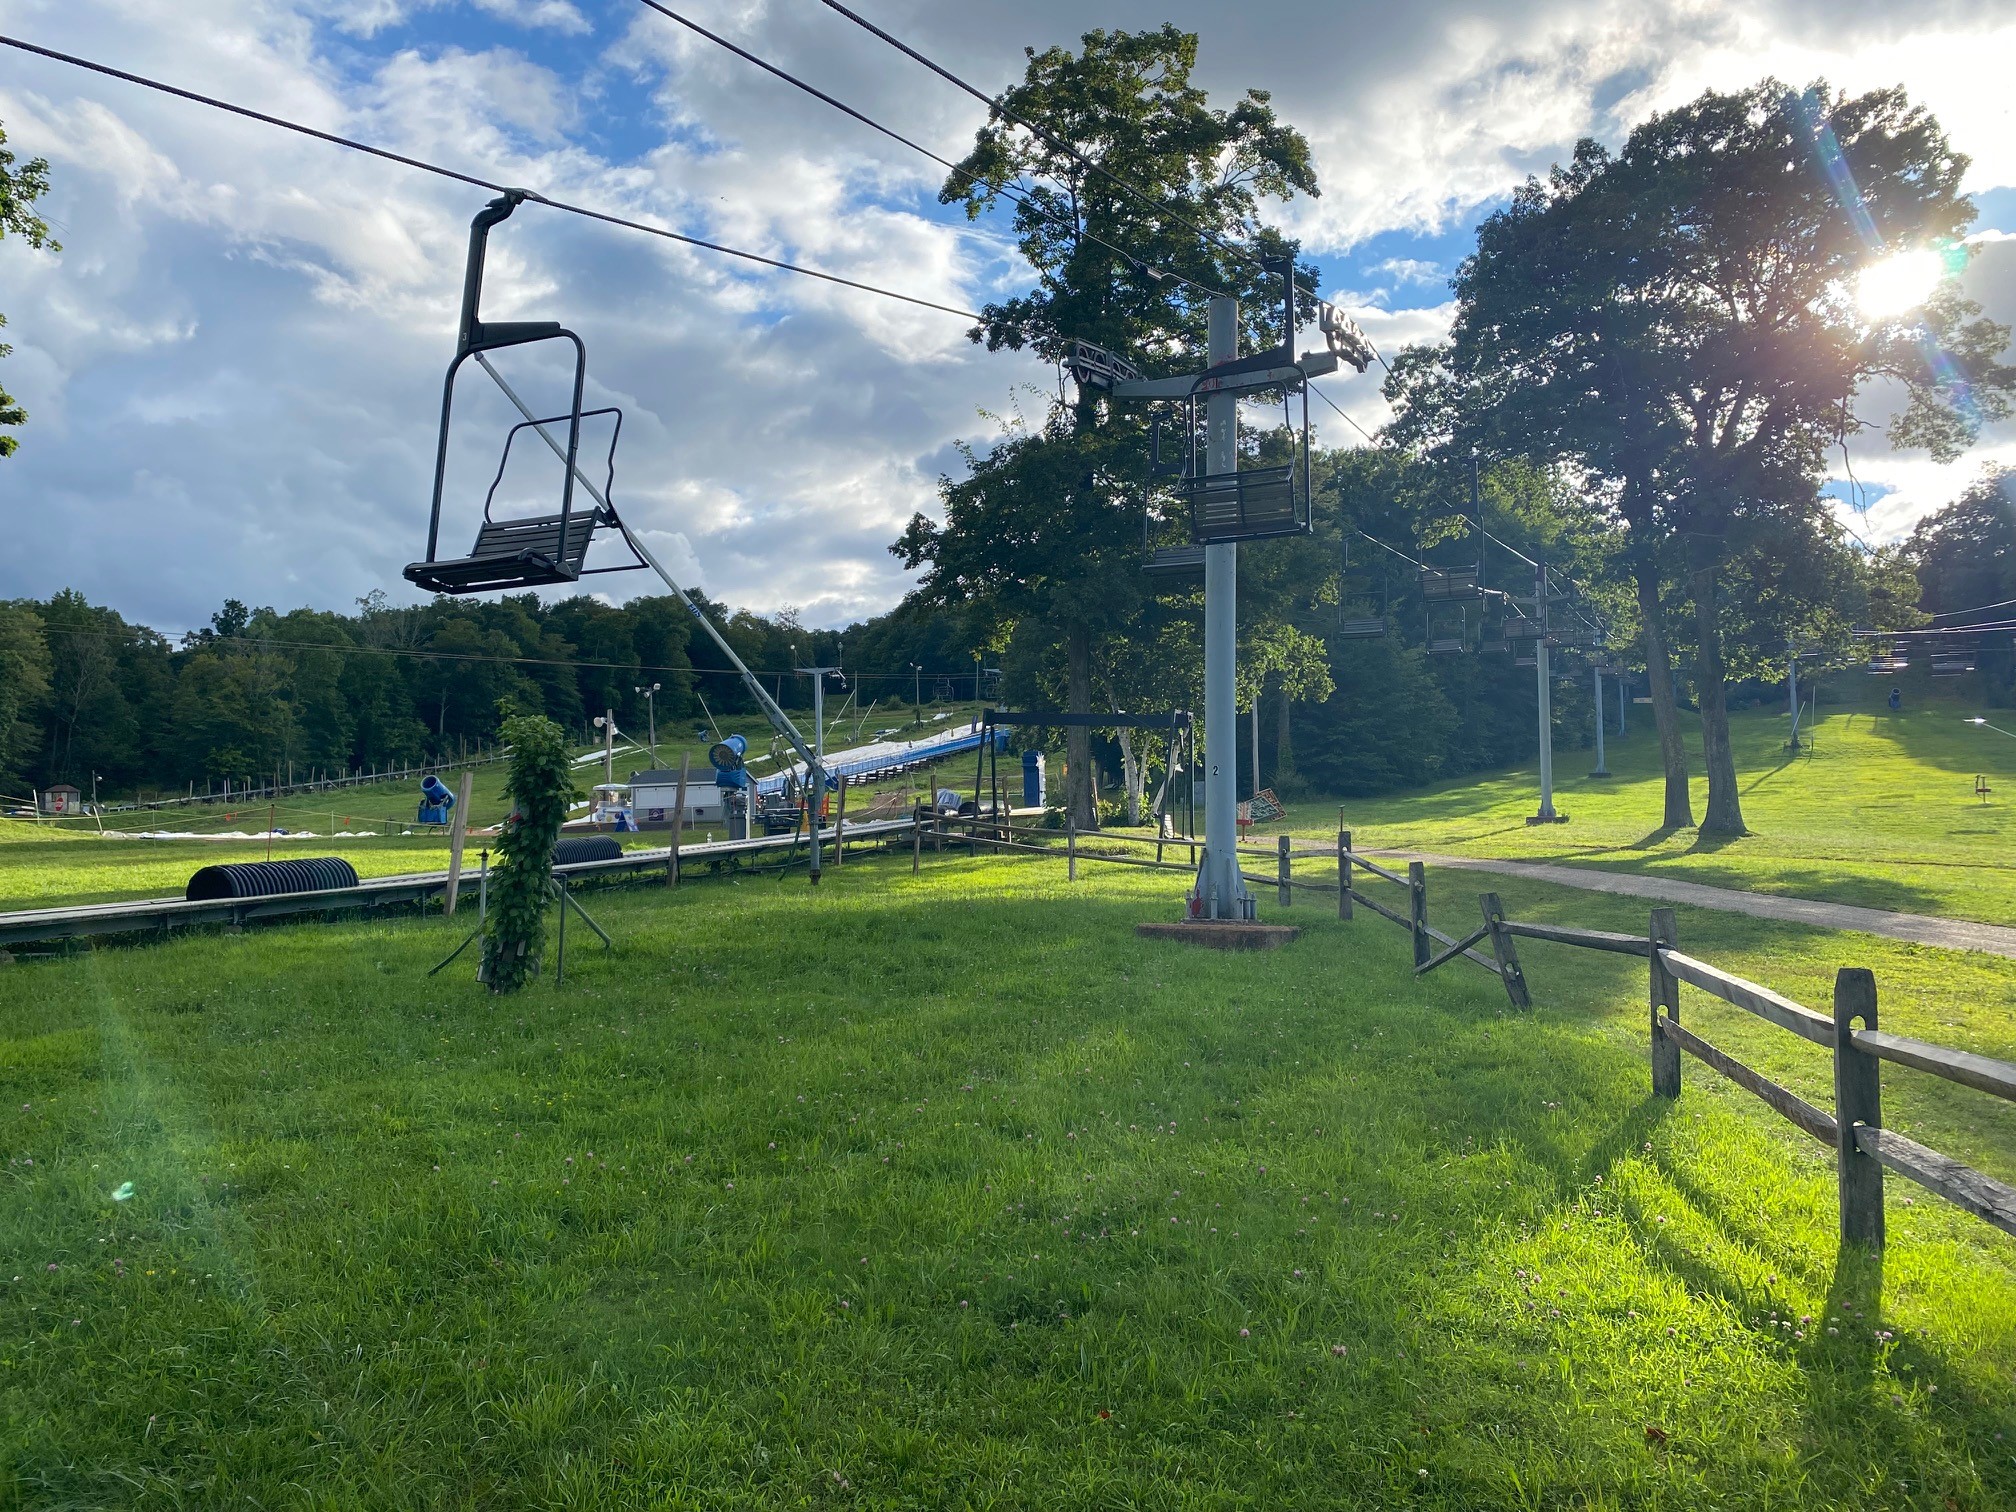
pixel 237 835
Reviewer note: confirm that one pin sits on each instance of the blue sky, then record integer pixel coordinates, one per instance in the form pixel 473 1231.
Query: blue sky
pixel 232 368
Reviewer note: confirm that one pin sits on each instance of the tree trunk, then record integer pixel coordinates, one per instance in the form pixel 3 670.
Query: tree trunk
pixel 1133 776
pixel 1725 802
pixel 1679 812
pixel 1284 748
pixel 1078 794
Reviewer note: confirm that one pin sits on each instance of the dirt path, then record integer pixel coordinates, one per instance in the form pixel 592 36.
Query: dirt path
pixel 1922 929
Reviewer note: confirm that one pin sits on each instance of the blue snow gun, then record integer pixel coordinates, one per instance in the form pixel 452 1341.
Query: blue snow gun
pixel 728 759
pixel 435 801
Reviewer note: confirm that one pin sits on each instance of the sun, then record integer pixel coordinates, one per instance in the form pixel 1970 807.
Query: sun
pixel 1898 283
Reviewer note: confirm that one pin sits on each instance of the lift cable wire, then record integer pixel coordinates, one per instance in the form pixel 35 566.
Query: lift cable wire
pixel 1977 609
pixel 1015 196
pixel 420 653
pixel 479 183
pixel 995 107
pixel 1373 440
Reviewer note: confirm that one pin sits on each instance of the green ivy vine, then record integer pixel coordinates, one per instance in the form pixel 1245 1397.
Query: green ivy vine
pixel 540 787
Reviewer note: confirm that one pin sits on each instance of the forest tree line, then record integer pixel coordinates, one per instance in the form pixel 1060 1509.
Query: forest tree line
pixel 261 690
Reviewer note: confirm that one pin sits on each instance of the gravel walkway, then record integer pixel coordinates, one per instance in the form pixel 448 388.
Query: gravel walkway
pixel 1921 929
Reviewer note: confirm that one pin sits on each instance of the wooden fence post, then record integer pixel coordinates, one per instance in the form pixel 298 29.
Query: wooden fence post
pixel 1417 910
pixel 1343 874
pixel 1285 884
pixel 1664 993
pixel 1858 1103
pixel 678 823
pixel 1071 847
pixel 916 838
pixel 1506 952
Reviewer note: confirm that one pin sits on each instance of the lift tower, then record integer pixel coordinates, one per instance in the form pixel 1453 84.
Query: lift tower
pixel 1227 506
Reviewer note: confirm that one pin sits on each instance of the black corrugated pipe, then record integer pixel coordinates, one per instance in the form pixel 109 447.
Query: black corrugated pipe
pixel 265 879
pixel 586 848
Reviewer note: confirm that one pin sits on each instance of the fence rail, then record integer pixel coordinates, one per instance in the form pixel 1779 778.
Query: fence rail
pixel 1854 1129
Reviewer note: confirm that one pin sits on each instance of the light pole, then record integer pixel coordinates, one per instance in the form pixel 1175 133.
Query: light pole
pixel 606 723
pixel 1602 766
pixel 651 712
pixel 917 692
pixel 976 677
pixel 816 778
pixel 1546 701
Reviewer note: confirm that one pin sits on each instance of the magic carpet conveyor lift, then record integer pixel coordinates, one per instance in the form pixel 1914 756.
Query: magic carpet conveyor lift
pixel 548 550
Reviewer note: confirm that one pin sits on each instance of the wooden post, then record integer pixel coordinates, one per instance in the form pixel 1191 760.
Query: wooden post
pixel 1343 874
pixel 916 838
pixel 1506 952
pixel 840 825
pixel 1071 848
pixel 1417 910
pixel 678 822
pixel 458 831
pixel 1664 993
pixel 1858 1103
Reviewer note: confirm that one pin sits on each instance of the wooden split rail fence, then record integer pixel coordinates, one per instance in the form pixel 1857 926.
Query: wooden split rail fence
pixel 1851 1035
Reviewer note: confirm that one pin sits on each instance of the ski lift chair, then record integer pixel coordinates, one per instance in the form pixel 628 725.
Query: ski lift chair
pixel 1360 629
pixel 1175 561
pixel 1258 503
pixel 523 552
pixel 1447 628
pixel 1449 584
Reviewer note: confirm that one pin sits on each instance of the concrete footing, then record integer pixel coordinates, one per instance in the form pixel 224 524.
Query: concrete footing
pixel 1222 934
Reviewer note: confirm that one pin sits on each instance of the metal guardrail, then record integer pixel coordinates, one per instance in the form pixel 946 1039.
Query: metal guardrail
pixel 141 915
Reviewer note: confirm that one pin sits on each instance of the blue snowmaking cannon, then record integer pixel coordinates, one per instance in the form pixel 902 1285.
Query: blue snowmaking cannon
pixel 435 801
pixel 730 770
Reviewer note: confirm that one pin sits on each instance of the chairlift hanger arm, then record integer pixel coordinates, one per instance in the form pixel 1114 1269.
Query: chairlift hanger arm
pixel 779 720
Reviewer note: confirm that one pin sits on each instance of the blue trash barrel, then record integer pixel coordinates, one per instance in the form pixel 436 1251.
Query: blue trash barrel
pixel 1034 790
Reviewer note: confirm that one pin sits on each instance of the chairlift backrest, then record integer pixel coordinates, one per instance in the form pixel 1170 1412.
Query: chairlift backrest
pixel 518 552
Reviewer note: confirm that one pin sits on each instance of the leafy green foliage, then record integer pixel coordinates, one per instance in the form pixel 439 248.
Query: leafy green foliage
pixel 20 187
pixel 540 788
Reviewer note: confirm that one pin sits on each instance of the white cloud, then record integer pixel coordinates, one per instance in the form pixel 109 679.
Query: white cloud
pixel 234 366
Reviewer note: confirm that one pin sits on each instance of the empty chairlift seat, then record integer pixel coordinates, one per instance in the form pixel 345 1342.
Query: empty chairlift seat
pixel 1247 506
pixel 1360 629
pixel 268 879
pixel 1175 561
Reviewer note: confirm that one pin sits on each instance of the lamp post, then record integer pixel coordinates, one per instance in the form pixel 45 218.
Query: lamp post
pixel 917 693
pixel 651 713
pixel 816 778
pixel 606 723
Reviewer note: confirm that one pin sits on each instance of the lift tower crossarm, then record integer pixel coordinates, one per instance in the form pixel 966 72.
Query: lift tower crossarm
pixel 1185 385
pixel 779 720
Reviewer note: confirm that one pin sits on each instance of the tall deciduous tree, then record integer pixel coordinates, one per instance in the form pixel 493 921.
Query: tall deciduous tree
pixel 1677 321
pixel 1046 526
pixel 20 187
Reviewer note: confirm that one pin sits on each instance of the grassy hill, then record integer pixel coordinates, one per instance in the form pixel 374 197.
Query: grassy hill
pixel 1096 1222
pixel 1877 809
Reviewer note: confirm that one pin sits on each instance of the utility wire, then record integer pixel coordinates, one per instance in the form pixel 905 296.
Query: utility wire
pixel 1013 195
pixel 997 108
pixel 465 178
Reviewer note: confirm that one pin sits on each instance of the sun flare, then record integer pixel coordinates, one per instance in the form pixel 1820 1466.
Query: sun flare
pixel 1898 283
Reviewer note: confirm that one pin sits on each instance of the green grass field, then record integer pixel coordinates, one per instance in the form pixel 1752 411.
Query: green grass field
pixel 951 1193
pixel 50 865
pixel 1879 811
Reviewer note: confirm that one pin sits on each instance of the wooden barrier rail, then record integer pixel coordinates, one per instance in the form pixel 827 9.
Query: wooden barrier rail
pixel 1854 1130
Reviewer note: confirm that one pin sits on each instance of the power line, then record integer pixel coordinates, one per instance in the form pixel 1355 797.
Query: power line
pixel 464 178
pixel 1978 608
pixel 997 108
pixel 1014 196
